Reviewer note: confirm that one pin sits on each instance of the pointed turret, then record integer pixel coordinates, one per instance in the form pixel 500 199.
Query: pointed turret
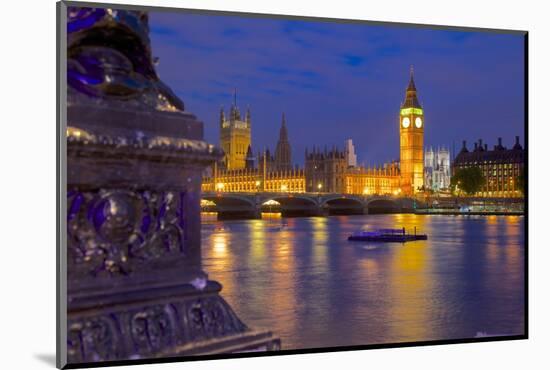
pixel 283 133
pixel 283 150
pixel 222 116
pixel 517 145
pixel 249 161
pixel 411 99
pixel 235 115
pixel 464 148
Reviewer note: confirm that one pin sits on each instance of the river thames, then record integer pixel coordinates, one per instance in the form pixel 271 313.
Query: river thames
pixel 302 279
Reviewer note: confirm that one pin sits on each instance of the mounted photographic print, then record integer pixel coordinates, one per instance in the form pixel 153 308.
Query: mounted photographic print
pixel 238 184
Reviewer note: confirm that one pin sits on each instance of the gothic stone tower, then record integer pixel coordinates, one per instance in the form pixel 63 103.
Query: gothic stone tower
pixel 283 151
pixel 411 141
pixel 325 170
pixel 235 137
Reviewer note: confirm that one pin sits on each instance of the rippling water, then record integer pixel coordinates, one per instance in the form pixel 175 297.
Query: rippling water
pixel 302 279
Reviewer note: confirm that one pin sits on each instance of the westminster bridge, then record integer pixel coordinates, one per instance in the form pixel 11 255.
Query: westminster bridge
pixel 251 205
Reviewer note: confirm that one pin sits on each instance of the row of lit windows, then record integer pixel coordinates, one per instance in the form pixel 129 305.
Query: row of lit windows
pixel 497 193
pixel 297 185
pixel 254 177
pixel 500 173
pixel 490 164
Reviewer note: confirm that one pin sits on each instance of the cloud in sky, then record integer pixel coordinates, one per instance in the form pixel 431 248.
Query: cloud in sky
pixel 336 81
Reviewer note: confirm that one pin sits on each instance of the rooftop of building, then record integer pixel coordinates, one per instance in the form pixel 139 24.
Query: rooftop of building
pixel 499 153
pixel 411 98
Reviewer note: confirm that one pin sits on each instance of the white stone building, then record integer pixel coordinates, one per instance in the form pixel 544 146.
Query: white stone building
pixel 437 169
pixel 351 157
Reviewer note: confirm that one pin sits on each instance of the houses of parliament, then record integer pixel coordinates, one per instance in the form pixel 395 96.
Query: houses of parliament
pixel 330 170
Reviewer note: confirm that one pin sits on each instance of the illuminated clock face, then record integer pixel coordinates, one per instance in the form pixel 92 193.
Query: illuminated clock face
pixel 406 122
pixel 418 122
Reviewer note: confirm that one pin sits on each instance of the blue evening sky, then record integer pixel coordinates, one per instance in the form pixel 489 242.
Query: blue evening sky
pixel 337 81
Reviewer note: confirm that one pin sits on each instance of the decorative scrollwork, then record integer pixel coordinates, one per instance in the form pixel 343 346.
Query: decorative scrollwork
pixel 113 231
pixel 153 329
pixel 94 339
pixel 212 317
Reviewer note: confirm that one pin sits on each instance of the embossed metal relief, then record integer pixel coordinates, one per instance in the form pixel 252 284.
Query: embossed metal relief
pixel 153 329
pixel 211 317
pixel 150 330
pixel 113 231
pixel 94 339
pixel 76 136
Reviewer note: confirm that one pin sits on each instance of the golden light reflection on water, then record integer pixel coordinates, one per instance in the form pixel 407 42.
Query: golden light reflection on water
pixel 220 245
pixel 283 287
pixel 221 241
pixel 411 284
pixel 511 232
pixel 492 220
pixel 503 250
pixel 209 216
pixel 258 253
pixel 370 269
pixel 320 236
pixel 271 215
pixel 493 247
pixel 503 228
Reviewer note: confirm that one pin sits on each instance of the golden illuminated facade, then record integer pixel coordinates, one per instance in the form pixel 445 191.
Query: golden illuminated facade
pixel 249 180
pixel 328 171
pixel 411 141
pixel 384 180
pixel 235 136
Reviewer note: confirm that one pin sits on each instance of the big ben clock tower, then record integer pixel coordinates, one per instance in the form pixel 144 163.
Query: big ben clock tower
pixel 411 141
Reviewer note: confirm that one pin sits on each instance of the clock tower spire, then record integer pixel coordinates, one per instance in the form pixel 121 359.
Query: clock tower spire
pixel 411 140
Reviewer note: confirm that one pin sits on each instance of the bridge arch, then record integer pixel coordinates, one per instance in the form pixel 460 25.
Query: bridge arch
pixel 230 200
pixel 231 205
pixel 291 199
pixel 383 205
pixel 340 204
pixel 295 204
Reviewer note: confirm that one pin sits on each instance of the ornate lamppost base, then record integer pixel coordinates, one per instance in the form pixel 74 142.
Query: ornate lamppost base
pixel 171 321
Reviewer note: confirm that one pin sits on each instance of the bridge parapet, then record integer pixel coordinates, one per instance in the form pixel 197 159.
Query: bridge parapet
pixel 305 203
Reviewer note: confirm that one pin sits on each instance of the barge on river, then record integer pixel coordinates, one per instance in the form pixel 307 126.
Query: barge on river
pixel 387 236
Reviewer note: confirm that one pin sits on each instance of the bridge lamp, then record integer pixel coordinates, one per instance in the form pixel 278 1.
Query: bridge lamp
pixel 319 186
pixel 284 187
pixel 219 186
pixel 366 190
pixel 258 183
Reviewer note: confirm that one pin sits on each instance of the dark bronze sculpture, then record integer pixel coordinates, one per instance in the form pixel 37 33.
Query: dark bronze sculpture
pixel 109 57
